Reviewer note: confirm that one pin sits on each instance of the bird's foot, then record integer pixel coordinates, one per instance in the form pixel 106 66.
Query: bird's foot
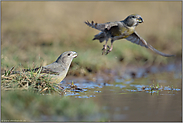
pixel 104 49
pixel 109 50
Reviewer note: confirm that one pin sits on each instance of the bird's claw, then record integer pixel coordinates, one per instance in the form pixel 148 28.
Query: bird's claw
pixel 104 49
pixel 108 51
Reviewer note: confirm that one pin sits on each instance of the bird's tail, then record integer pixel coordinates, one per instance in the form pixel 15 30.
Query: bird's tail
pixel 101 37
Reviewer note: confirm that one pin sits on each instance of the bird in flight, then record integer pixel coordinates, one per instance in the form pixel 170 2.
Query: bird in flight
pixel 124 29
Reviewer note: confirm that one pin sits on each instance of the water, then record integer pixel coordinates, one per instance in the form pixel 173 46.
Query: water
pixel 140 106
pixel 154 97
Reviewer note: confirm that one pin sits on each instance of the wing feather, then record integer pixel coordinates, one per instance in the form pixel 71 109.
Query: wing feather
pixel 43 70
pixel 101 26
pixel 135 38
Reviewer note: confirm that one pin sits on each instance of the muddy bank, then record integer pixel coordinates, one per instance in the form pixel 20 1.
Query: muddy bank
pixel 122 71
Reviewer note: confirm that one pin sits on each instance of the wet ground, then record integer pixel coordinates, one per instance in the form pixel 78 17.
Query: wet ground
pixel 152 96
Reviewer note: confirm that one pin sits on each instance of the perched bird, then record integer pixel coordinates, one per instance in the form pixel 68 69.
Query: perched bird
pixel 124 29
pixel 58 69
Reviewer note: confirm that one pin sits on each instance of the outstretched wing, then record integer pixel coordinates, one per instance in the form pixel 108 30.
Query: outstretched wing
pixel 135 38
pixel 101 26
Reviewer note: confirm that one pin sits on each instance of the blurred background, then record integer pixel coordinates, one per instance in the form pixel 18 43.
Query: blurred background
pixel 36 33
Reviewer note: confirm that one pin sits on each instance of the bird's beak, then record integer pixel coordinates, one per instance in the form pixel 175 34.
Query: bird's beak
pixel 140 20
pixel 75 54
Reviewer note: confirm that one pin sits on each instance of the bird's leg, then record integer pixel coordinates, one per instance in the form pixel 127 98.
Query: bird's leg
pixel 104 47
pixel 110 49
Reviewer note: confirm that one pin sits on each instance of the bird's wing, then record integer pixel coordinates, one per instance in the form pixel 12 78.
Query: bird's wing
pixel 49 71
pixel 54 68
pixel 31 70
pixel 42 70
pixel 101 26
pixel 135 38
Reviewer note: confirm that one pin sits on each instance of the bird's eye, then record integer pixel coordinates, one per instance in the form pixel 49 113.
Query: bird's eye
pixel 69 54
pixel 133 16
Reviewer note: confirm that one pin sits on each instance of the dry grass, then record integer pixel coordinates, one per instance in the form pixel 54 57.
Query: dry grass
pixel 33 82
pixel 29 81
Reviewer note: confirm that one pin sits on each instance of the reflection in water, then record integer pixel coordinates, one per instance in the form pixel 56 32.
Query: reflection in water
pixel 156 97
pixel 141 106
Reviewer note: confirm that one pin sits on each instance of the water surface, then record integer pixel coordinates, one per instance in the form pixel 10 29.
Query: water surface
pixel 153 97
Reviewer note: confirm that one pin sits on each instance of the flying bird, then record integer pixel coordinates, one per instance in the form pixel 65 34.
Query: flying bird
pixel 124 29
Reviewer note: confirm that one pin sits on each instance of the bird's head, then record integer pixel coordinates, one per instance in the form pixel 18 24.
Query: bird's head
pixel 66 57
pixel 133 20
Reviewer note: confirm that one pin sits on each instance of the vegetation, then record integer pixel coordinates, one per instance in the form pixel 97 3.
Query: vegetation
pixel 36 33
pixel 25 106
pixel 32 82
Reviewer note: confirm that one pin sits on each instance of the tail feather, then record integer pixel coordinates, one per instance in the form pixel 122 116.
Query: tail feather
pixel 101 37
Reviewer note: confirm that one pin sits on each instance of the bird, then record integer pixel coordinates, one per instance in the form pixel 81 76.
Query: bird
pixel 58 69
pixel 124 29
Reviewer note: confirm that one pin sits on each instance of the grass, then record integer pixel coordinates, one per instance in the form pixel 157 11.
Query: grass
pixel 39 34
pixel 26 106
pixel 29 81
